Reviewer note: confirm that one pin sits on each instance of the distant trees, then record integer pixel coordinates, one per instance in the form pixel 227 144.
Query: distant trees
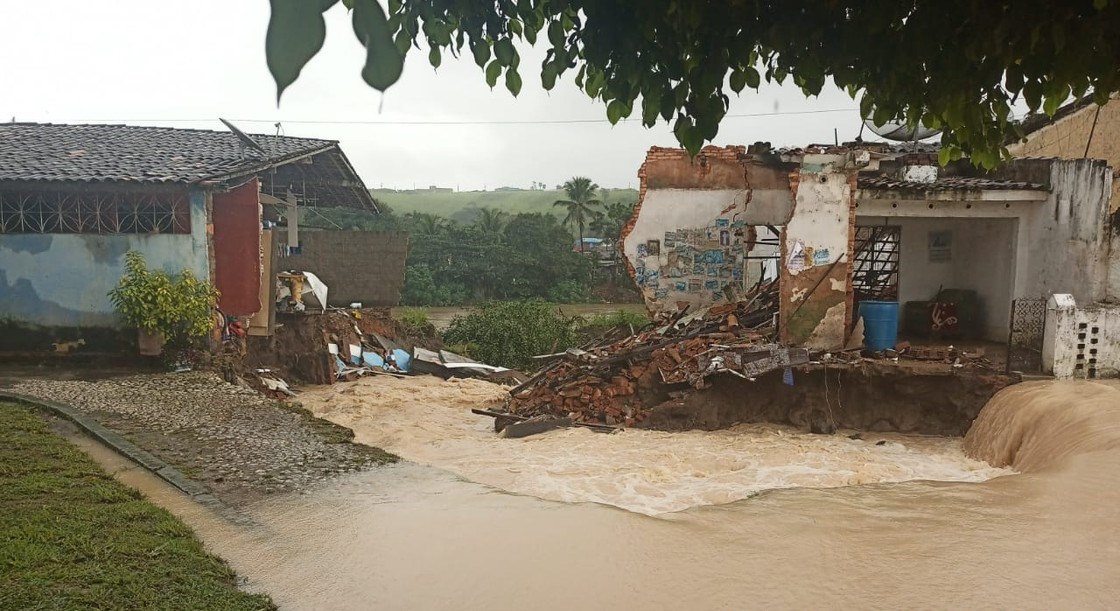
pixel 490 221
pixel 609 225
pixel 582 204
pixel 526 256
pixel 425 224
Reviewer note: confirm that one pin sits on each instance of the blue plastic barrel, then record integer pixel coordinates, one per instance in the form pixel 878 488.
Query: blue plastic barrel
pixel 880 324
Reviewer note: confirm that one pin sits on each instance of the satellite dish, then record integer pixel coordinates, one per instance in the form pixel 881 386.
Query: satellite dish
pixel 246 139
pixel 900 132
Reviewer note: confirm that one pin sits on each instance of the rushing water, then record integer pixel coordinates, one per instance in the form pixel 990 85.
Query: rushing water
pixel 427 420
pixel 415 537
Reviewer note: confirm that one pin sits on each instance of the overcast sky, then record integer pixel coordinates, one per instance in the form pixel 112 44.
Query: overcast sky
pixel 184 64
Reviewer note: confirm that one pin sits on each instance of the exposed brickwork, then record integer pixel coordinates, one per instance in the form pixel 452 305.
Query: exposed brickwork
pixel 1091 127
pixel 356 266
pixel 658 155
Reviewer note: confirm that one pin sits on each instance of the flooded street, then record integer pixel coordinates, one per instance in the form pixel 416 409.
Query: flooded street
pixel 427 537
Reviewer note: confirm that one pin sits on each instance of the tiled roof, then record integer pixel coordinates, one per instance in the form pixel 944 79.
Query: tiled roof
pixel 33 152
pixel 951 183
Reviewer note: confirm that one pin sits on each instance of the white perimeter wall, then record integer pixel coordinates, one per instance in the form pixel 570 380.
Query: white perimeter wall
pixel 1081 342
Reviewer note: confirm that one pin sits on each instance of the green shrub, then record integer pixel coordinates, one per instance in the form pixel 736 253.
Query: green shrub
pixel 508 333
pixel 421 288
pixel 416 322
pixel 178 306
pixel 568 291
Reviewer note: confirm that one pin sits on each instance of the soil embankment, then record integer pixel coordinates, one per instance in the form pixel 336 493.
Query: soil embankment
pixel 878 396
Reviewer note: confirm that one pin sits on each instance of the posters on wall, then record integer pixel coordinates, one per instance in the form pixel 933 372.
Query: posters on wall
pixel 940 246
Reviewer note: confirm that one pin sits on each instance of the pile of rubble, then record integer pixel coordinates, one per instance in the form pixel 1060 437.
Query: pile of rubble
pixel 602 383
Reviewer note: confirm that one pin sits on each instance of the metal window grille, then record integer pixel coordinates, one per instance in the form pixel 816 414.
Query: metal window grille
pixel 1024 341
pixel 875 265
pixel 93 212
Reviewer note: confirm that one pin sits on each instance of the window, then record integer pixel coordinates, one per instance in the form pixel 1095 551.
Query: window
pixel 93 212
pixel 875 268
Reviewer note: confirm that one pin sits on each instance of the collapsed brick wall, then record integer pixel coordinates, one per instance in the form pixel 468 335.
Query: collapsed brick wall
pixel 356 266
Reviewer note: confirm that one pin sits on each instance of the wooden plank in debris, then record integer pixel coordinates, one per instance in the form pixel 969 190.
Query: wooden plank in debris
pixel 532 427
pixel 780 358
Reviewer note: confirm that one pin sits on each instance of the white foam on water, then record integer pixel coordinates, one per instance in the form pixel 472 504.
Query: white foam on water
pixel 428 421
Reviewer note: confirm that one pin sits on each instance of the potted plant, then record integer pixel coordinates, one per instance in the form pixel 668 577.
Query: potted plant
pixel 165 309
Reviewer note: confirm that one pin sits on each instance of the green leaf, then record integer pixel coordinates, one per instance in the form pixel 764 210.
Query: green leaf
pixel 515 27
pixel 493 71
pixel 434 57
pixel 384 62
pixel 548 76
pixel 754 79
pixel 1032 93
pixel 738 81
pixel 481 51
pixel 556 34
pixel 1100 5
pixel 503 51
pixel 531 35
pixel 513 81
pixel 614 111
pixel 943 155
pixel 1050 106
pixel 295 34
pixel 688 136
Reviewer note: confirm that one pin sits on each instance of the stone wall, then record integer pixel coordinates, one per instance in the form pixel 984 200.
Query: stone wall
pixel 356 266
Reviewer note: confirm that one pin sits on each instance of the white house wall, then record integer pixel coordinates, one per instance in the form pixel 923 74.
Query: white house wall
pixel 981 259
pixel 815 266
pixel 63 279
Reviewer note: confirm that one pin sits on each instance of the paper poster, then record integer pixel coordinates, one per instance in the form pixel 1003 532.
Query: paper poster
pixel 940 246
pixel 796 260
pixel 821 257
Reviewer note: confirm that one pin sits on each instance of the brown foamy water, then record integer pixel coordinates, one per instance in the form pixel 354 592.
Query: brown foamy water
pixel 414 537
pixel 428 421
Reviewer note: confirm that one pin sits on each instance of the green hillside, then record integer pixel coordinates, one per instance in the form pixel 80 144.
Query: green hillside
pixel 462 206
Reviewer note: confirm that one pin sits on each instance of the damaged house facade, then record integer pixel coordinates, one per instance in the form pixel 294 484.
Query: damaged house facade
pixel 839 225
pixel 75 198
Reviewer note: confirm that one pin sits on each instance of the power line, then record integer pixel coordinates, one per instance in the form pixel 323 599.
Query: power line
pixel 446 123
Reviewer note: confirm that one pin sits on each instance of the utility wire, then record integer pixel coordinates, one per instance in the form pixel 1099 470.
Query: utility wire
pixel 465 122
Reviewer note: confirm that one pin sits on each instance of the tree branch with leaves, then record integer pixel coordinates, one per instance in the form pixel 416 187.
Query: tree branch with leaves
pixel 957 65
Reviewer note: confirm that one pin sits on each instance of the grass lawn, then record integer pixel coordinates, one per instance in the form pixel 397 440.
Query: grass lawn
pixel 72 537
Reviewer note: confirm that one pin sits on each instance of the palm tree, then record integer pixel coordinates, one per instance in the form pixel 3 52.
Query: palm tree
pixel 580 204
pixel 490 221
pixel 427 224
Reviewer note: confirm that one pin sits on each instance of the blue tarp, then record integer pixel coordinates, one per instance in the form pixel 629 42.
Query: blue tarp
pixel 373 359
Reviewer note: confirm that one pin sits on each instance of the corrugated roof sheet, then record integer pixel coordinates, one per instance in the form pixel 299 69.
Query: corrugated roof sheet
pixel 31 152
pixel 951 183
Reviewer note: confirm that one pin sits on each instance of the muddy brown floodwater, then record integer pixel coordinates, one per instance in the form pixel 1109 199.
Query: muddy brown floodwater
pixel 641 527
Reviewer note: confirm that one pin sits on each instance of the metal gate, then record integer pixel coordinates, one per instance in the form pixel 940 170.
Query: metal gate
pixel 1024 342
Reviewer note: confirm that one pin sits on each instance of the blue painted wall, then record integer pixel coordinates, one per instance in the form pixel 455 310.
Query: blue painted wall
pixel 63 279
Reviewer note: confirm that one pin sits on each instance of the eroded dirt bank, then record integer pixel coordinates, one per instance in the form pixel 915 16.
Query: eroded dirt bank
pixel 870 396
